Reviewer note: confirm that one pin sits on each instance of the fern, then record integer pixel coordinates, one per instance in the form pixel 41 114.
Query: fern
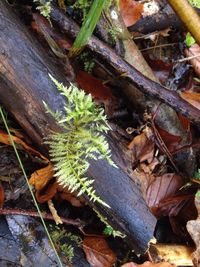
pixel 44 7
pixel 85 125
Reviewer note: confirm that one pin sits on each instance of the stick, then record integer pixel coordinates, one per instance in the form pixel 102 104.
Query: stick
pixel 121 67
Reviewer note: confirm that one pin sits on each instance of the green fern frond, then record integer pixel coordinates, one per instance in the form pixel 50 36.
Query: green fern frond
pixel 85 125
pixel 44 7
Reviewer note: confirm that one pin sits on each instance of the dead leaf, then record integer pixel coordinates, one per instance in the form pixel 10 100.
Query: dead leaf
pixel 142 147
pixel 162 187
pixel 131 11
pixel 191 97
pixel 148 264
pixel 93 86
pixel 20 144
pixel 47 193
pixel 2 196
pixel 98 253
pixel 193 228
pixel 40 178
pixel 194 50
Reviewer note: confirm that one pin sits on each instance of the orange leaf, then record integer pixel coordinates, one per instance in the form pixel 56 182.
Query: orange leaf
pixel 98 253
pixel 5 139
pixel 40 178
pixel 192 98
pixel 149 264
pixel 131 11
pixel 47 194
pixel 93 86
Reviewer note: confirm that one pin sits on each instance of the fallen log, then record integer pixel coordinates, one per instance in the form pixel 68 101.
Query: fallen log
pixel 24 84
pixel 121 68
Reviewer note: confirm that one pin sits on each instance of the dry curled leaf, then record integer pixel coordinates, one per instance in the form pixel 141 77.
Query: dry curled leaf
pixel 40 178
pixel 98 253
pixel 142 147
pixel 20 144
pixel 148 264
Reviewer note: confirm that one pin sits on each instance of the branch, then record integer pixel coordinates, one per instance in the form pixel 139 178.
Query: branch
pixel 45 216
pixel 121 67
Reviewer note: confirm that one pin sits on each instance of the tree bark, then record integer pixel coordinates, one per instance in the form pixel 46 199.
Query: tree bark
pixel 24 84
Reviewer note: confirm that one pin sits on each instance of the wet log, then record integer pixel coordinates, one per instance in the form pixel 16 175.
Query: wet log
pixel 24 84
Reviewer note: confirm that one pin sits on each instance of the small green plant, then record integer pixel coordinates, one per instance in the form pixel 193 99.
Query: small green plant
pixel 85 125
pixel 44 7
pixel 83 5
pixel 195 3
pixel 60 236
pixel 88 61
pixel 197 174
pixel 108 230
pixel 189 40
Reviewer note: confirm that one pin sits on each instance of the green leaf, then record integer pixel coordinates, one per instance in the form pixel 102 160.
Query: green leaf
pixel 195 3
pixel 189 40
pixel 88 26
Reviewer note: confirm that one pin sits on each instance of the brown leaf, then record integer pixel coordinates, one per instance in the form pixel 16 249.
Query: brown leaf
pixel 171 141
pixel 162 187
pixel 98 253
pixel 194 50
pixel 47 193
pixel 193 228
pixel 131 11
pixel 40 178
pixel 5 139
pixel 93 86
pixel 142 147
pixel 191 97
pixel 173 206
pixel 148 264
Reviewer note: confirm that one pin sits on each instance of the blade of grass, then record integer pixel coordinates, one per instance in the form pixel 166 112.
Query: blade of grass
pixel 29 186
pixel 88 27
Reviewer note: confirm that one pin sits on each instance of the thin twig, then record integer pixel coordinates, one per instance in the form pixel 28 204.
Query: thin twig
pixel 157 46
pixel 187 58
pixel 45 216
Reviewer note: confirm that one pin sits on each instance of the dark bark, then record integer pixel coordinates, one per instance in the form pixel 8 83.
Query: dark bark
pixel 166 18
pixel 24 84
pixel 120 67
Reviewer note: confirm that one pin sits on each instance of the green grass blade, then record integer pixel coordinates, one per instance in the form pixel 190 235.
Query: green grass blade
pixel 88 27
pixel 29 186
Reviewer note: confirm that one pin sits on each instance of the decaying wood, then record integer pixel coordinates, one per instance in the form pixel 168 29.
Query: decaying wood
pixel 24 84
pixel 121 68
pixel 179 255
